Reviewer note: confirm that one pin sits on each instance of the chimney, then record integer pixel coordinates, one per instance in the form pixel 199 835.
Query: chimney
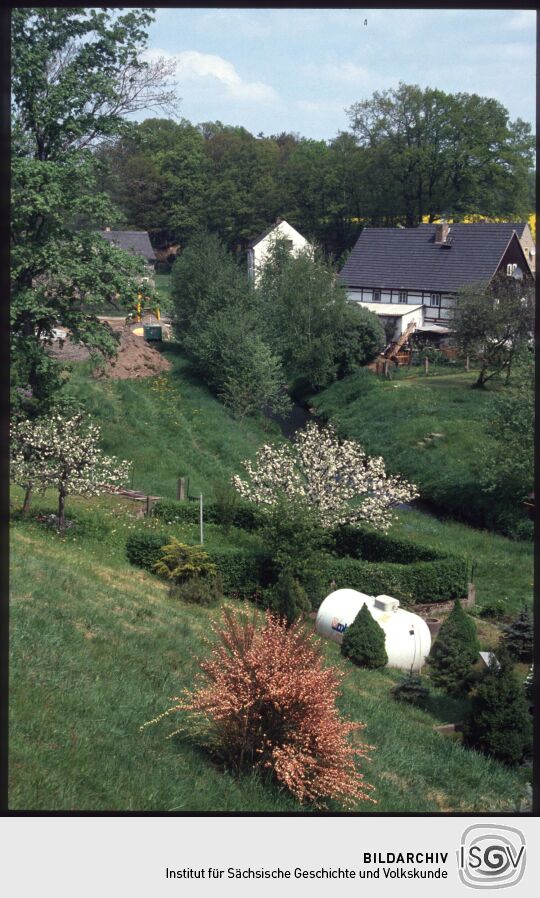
pixel 441 232
pixel 278 220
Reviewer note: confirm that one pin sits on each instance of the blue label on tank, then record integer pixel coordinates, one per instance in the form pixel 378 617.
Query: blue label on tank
pixel 338 626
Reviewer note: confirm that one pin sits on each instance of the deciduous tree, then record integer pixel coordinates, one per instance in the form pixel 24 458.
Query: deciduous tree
pixel 334 478
pixel 63 453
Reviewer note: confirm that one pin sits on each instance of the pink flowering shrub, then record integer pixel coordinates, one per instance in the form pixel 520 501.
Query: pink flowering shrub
pixel 266 701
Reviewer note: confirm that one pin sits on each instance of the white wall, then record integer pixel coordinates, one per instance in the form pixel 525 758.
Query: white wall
pixel 258 255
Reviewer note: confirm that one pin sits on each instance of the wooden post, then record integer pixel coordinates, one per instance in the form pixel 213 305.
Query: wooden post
pixel 181 491
pixel 386 368
pixel 466 363
pixel 426 365
pixel 201 520
pixel 147 506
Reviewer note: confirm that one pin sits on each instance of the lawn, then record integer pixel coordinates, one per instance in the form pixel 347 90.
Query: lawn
pixel 98 648
pixel 433 429
pixel 163 288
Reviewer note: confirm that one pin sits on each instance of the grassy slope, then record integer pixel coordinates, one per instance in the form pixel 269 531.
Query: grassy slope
pixel 169 426
pixel 395 419
pixel 98 648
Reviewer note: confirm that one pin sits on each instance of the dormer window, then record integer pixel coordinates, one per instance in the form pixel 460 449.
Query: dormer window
pixel 510 269
pixel 403 296
pixel 376 296
pixel 435 300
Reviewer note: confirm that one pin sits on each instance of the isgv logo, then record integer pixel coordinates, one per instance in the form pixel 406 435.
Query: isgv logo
pixel 491 857
pixel 338 626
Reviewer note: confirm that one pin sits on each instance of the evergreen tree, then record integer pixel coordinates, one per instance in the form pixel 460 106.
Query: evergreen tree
pixel 290 599
pixel 454 651
pixel 364 641
pixel 498 723
pixel 518 636
pixel 411 689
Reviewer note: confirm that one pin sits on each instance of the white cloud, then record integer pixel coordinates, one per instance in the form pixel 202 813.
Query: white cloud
pixel 206 69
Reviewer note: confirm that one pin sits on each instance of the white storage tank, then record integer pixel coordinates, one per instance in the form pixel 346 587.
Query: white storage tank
pixel 408 639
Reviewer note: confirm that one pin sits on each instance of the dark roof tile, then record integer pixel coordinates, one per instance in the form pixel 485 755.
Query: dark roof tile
pixel 135 242
pixel 409 258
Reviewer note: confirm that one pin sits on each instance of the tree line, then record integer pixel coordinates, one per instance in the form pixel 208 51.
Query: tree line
pixel 408 154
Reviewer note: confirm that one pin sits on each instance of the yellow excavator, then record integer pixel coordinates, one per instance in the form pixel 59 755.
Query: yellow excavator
pixel 143 304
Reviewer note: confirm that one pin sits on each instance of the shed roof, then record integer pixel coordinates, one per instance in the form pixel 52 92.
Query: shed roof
pixel 135 242
pixel 409 258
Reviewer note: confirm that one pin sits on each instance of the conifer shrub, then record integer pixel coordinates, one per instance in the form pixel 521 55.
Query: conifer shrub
pixel 289 599
pixel 454 652
pixel 518 636
pixel 498 723
pixel 180 562
pixel 364 641
pixel 413 690
pixel 266 701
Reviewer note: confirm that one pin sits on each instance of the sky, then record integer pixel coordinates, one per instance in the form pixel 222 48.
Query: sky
pixel 294 69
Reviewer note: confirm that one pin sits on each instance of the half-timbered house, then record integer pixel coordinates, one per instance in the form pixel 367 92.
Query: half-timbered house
pixel 414 274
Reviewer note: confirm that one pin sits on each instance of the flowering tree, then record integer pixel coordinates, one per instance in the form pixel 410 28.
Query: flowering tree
pixel 63 453
pixel 268 702
pixel 335 478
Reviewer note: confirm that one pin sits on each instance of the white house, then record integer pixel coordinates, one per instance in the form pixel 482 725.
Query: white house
pixel 259 248
pixel 406 274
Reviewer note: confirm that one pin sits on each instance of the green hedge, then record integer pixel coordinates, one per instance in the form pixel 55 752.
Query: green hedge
pixel 423 581
pixel 372 546
pixel 248 517
pixel 240 571
pixel 143 549
pixel 386 565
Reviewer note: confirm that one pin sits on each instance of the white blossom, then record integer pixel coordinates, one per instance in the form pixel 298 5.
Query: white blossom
pixel 334 477
pixel 63 453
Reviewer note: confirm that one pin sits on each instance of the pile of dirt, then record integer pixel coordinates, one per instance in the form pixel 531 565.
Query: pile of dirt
pixel 135 358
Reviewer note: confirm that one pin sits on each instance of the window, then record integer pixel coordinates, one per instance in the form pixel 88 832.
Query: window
pixel 376 296
pixel 435 300
pixel 510 269
pixel 403 296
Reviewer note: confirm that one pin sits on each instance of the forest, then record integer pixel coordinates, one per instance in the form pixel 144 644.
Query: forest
pixel 406 155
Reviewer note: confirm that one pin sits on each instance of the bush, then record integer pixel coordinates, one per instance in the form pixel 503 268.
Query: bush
pixel 289 600
pixel 454 652
pixel 426 581
pixel 499 723
pixel 364 641
pixel 240 571
pixel 493 610
pixel 203 591
pixel 369 545
pixel 144 549
pixel 377 563
pixel 269 704
pixel 518 636
pixel 413 690
pixel 245 516
pixel 180 562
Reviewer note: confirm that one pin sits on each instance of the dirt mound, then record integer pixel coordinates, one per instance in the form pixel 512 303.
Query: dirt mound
pixel 135 358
